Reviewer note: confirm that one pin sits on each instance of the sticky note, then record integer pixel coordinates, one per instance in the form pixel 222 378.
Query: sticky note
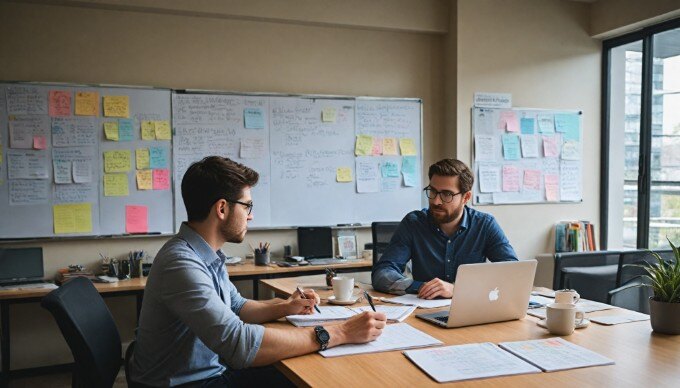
pixel 363 145
pixel 117 106
pixel 125 130
pixel 343 174
pixel 407 146
pixel 142 158
pixel 546 124
pixel 552 183
pixel 510 178
pixel 511 150
pixel 328 114
pixel 532 180
pixel 161 179
pixel 377 146
pixel 117 161
pixel 111 130
pixel 508 121
pixel 60 103
pixel 566 121
pixel 527 125
pixel 136 219
pixel 253 118
pixel 87 104
pixel 162 129
pixel 158 157
pixel 550 149
pixel 116 185
pixel 39 142
pixel 389 170
pixel 148 130
pixel 72 218
pixel 144 180
pixel 408 170
pixel 389 146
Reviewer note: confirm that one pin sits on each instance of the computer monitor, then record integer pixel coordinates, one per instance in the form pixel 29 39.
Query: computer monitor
pixel 21 264
pixel 315 242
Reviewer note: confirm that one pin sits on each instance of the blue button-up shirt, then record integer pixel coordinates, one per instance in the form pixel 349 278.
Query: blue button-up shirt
pixel 189 318
pixel 434 254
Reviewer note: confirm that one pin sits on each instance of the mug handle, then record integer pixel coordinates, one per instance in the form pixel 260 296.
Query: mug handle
pixel 577 297
pixel 580 315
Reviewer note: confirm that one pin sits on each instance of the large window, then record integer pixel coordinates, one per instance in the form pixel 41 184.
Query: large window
pixel 641 139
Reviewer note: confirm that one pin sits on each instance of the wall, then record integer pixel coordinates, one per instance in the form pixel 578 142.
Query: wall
pixel 616 17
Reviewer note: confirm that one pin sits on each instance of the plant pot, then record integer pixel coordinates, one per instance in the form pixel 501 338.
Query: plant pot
pixel 665 317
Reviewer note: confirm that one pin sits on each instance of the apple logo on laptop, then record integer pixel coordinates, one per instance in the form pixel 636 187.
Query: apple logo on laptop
pixel 494 294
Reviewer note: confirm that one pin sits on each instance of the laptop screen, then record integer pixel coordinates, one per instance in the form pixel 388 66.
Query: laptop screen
pixel 315 242
pixel 21 263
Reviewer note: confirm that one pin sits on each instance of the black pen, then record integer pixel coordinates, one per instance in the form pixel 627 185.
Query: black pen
pixel 302 295
pixel 370 300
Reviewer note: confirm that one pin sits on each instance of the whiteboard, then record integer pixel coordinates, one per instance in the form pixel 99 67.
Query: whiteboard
pixel 524 155
pixel 302 152
pixel 28 186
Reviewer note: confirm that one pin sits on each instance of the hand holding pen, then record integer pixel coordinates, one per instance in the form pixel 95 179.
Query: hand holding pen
pixel 370 300
pixel 303 296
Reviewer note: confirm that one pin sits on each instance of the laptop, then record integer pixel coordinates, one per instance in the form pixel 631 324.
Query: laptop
pixel 21 266
pixel 486 293
pixel 315 243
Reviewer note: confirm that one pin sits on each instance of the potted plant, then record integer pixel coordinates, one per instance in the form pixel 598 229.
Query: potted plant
pixel 664 306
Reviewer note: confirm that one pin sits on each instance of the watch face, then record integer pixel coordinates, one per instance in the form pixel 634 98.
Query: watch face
pixel 324 336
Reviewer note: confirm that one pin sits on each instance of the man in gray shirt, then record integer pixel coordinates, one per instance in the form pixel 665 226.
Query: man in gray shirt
pixel 195 328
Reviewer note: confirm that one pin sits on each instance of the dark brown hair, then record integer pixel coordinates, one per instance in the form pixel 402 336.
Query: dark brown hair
pixel 454 167
pixel 212 179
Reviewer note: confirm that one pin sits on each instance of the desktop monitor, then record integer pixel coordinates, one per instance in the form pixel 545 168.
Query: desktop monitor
pixel 19 264
pixel 315 242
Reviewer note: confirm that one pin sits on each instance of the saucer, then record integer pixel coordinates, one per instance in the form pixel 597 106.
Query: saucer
pixel 583 324
pixel 352 300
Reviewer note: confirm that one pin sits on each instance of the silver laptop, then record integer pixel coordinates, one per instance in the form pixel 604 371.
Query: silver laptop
pixel 488 292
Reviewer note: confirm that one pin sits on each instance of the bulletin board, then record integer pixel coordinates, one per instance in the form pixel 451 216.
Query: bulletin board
pixel 524 155
pixel 80 160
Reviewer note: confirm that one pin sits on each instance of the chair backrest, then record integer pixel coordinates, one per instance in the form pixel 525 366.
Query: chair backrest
pixel 638 256
pixel 632 295
pixel 382 234
pixel 89 330
pixel 581 259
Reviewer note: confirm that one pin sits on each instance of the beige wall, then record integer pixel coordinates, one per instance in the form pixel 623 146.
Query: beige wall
pixel 615 17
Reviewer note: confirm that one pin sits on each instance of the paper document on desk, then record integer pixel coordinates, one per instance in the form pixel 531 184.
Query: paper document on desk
pixel 553 354
pixel 328 313
pixel 413 300
pixel 623 317
pixel 466 362
pixel 394 337
pixel 393 313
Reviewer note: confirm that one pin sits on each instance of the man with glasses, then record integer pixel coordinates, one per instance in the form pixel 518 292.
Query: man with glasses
pixel 195 329
pixel 440 238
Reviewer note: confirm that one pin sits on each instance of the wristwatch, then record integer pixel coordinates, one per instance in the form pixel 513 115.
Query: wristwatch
pixel 322 337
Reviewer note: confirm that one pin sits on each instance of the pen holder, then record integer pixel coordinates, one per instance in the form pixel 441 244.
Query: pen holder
pixel 136 268
pixel 262 258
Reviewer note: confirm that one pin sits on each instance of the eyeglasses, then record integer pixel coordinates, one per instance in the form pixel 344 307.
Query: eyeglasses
pixel 249 206
pixel 446 196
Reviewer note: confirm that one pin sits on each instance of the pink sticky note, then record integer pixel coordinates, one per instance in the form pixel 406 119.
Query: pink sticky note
pixel 552 183
pixel 377 146
pixel 136 219
pixel 508 121
pixel 60 103
pixel 550 149
pixel 532 179
pixel 510 178
pixel 39 142
pixel 161 179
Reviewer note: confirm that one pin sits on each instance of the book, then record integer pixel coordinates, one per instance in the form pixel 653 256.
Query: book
pixel 575 236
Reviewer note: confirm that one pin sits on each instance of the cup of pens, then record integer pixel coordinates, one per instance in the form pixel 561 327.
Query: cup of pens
pixel 262 254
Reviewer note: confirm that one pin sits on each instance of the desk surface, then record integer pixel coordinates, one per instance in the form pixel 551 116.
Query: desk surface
pixel 136 284
pixel 642 357
pixel 249 268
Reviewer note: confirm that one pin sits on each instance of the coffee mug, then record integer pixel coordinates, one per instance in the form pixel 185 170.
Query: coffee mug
pixel 562 318
pixel 567 296
pixel 343 288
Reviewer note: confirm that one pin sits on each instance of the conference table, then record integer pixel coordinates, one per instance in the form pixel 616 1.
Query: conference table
pixel 642 357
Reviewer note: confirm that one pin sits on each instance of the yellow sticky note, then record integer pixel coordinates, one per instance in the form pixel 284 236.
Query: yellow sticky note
pixel 163 130
pixel 390 146
pixel 86 104
pixel 407 146
pixel 117 106
pixel 72 218
pixel 343 174
pixel 145 180
pixel 111 130
pixel 364 145
pixel 148 130
pixel 142 158
pixel 328 114
pixel 116 185
pixel 117 161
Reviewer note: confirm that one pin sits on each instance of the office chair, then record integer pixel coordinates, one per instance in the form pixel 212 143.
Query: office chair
pixel 592 274
pixel 89 330
pixel 632 295
pixel 639 256
pixel 382 234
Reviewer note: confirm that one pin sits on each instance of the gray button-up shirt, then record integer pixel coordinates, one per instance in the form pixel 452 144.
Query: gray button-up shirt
pixel 189 317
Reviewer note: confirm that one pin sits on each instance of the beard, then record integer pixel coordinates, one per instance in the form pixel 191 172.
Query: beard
pixel 230 230
pixel 441 216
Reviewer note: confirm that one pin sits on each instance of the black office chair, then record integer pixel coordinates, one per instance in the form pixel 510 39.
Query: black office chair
pixel 592 274
pixel 89 330
pixel 382 234
pixel 627 272
pixel 633 289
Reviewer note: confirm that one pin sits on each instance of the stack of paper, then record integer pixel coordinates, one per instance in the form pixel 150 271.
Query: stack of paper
pixel 623 317
pixel 553 354
pixel 393 337
pixel 338 313
pixel 413 300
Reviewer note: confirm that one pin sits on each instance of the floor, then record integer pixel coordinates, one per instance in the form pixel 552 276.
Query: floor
pixel 58 380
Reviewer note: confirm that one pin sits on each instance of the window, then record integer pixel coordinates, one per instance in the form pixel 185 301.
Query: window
pixel 641 139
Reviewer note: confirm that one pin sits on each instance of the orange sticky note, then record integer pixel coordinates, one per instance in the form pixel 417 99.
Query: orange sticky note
pixel 136 219
pixel 161 179
pixel 39 142
pixel 87 104
pixel 60 103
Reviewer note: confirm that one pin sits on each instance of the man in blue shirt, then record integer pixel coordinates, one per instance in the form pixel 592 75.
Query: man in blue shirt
pixel 439 239
pixel 193 320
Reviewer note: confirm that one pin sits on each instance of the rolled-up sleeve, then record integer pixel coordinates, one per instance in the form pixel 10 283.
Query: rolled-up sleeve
pixel 387 274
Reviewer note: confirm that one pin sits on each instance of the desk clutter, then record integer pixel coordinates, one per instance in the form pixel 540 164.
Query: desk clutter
pixel 135 265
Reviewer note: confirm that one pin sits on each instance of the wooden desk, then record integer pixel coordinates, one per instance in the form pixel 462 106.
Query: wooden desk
pixel 642 357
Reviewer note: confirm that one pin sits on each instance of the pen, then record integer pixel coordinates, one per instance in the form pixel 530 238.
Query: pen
pixel 302 295
pixel 370 300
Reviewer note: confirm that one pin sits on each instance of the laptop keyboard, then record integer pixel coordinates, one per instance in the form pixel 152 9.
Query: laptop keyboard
pixel 443 319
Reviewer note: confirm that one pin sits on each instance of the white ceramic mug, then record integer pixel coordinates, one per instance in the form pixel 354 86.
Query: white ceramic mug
pixel 343 288
pixel 562 318
pixel 567 296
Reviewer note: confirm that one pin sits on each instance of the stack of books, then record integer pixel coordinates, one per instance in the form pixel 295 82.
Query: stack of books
pixel 575 236
pixel 64 275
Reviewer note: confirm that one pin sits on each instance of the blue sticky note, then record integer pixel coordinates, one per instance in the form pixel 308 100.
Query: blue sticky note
pixel 572 133
pixel 125 130
pixel 408 164
pixel 253 118
pixel 410 180
pixel 158 157
pixel 390 170
pixel 566 122
pixel 527 126
pixel 511 150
